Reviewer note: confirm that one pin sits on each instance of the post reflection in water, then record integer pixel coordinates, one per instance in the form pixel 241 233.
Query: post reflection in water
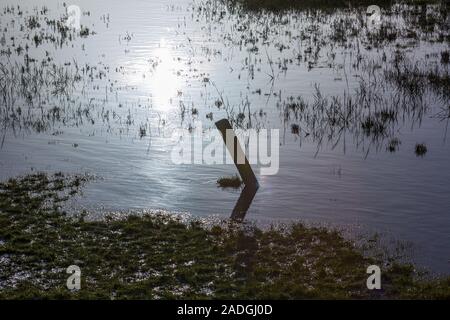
pixel 243 203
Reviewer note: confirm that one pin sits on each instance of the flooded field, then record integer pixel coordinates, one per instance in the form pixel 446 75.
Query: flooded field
pixel 363 114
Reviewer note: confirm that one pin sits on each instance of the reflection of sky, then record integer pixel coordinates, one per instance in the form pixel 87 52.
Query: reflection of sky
pixel 164 84
pixel 159 80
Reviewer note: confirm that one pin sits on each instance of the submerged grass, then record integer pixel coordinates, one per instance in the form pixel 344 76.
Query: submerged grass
pixel 158 256
pixel 421 149
pixel 229 182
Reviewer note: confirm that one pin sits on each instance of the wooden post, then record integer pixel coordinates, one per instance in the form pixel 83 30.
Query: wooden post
pixel 234 147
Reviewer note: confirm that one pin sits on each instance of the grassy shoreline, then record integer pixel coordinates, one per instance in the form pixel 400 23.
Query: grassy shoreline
pixel 161 257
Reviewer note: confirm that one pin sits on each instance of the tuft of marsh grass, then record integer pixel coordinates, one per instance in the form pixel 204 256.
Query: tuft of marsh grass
pixel 394 145
pixel 161 257
pixel 445 57
pixel 295 129
pixel 230 182
pixel 421 149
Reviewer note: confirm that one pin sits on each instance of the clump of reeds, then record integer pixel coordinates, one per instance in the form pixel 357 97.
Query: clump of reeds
pixel 421 149
pixel 393 145
pixel 229 182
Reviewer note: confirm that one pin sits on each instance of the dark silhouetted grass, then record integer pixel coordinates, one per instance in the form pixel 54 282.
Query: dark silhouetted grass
pixel 281 5
pixel 229 182
pixel 421 149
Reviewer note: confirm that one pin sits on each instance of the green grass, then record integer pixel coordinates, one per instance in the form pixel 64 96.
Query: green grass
pixel 162 257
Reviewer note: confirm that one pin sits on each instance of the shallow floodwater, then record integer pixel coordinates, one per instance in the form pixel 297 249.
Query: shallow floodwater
pixel 167 65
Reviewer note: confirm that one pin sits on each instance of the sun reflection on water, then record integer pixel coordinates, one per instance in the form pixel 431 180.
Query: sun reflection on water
pixel 164 83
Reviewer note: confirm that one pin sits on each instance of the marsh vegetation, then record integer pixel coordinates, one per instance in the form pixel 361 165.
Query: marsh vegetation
pixel 229 182
pixel 107 98
pixel 159 256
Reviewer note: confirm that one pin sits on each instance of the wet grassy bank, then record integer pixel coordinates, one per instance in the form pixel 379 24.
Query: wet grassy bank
pixel 161 257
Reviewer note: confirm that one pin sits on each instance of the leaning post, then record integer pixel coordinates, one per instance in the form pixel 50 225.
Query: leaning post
pixel 238 155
